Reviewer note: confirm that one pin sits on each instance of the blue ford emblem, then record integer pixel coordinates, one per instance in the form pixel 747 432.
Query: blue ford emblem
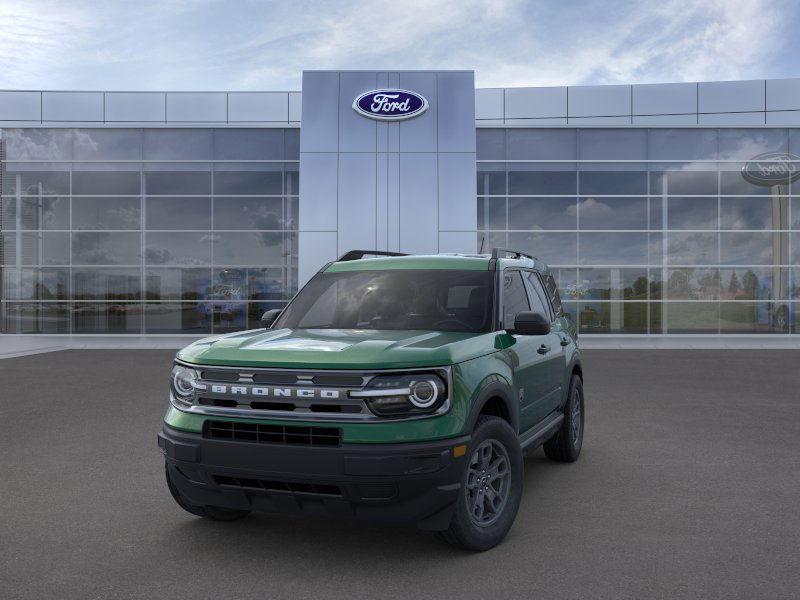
pixel 772 168
pixel 390 105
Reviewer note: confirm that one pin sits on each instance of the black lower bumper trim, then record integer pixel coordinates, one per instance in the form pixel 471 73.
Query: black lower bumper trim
pixel 397 483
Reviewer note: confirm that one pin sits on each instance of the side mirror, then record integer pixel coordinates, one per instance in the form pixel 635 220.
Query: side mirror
pixel 531 323
pixel 268 318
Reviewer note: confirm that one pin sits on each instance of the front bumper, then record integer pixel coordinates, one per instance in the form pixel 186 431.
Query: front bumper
pixel 398 483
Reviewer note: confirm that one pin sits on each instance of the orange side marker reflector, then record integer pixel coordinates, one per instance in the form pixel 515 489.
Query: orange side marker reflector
pixel 459 451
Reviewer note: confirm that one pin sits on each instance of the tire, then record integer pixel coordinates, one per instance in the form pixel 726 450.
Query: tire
pixel 467 529
pixel 215 513
pixel 565 445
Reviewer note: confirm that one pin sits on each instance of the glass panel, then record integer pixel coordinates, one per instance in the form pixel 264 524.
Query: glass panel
pixel 753 283
pixel 117 183
pixel 177 284
pixel 267 284
pixel 656 213
pixel 8 213
pixel 552 248
pixel 754 213
pixel 174 212
pixel 229 316
pixel 291 144
pixel 541 213
pixel 107 318
pixel 613 182
pixel 248 182
pixel 571 311
pixel 291 179
pixel 732 182
pixel 567 283
pixel 8 248
pixel 656 284
pixel 656 309
pixel 291 213
pixel 175 317
pixel 524 180
pixel 105 213
pixel 613 248
pixel 692 248
pixel 248 144
pixel 229 284
pixel 692 213
pixel 612 213
pixel 795 256
pixel 794 286
pixel 37 284
pixel 676 181
pixel 491 213
pixel 35 317
pixel 45 248
pixel 178 248
pixel 682 144
pixel 613 317
pixel 490 144
pixel 253 248
pixel 491 179
pixel 106 284
pixel 248 213
pixel 795 221
pixel 103 248
pixel 36 183
pixel 178 183
pixel 541 144
pixel 178 144
pixel 693 284
pixel 38 144
pixel 107 144
pixel 613 284
pixel 612 144
pixel 44 212
pixel 746 144
pixel 691 317
pixel 751 317
pixel 750 248
pixel 515 298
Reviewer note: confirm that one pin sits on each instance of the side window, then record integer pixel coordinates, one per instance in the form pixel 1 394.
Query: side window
pixel 555 298
pixel 538 298
pixel 515 299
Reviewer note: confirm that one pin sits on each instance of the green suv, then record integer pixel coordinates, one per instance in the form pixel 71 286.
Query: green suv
pixel 394 388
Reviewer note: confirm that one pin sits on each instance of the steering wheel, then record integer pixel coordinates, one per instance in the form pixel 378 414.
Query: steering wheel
pixel 452 320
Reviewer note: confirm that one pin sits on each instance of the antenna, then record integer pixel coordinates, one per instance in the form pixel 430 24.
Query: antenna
pixel 483 239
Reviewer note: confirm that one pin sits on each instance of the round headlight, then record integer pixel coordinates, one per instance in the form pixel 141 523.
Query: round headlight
pixel 183 379
pixel 424 393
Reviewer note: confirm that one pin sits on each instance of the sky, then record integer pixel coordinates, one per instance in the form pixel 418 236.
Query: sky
pixel 265 45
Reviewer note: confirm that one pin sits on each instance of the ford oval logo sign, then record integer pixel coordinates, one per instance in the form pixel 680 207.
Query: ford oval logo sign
pixel 390 105
pixel 772 168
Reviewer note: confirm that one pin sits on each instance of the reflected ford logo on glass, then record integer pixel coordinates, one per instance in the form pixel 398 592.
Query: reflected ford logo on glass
pixel 772 168
pixel 390 105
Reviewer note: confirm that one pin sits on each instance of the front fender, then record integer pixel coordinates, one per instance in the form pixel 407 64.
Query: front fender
pixel 480 379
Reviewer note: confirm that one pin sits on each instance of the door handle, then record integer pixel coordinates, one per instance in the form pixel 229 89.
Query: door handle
pixel 543 349
pixel 564 341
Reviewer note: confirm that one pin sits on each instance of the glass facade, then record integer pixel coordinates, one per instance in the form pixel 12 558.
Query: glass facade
pixel 649 231
pixel 146 230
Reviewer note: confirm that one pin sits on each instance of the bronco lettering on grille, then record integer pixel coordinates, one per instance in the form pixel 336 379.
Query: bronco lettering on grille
pixel 274 392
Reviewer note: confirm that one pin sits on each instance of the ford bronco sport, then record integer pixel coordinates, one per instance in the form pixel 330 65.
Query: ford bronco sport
pixel 392 387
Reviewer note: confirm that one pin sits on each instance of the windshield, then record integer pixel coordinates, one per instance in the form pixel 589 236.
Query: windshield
pixel 394 299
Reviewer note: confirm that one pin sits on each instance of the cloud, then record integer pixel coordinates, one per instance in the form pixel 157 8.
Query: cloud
pixel 211 44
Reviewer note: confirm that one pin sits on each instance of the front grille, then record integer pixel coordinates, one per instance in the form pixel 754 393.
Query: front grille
pixel 265 433
pixel 318 489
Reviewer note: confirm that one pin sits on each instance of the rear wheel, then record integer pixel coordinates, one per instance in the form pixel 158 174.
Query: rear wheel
pixel 491 488
pixel 215 513
pixel 565 445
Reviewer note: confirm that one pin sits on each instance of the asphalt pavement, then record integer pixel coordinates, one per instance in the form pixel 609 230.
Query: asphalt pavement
pixel 687 487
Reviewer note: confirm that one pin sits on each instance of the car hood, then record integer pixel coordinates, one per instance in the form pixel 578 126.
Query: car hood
pixel 339 348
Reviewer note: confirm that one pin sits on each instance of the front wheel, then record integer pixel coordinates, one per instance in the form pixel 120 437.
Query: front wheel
pixel 491 488
pixel 565 445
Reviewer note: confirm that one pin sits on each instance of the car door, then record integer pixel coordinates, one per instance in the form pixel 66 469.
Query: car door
pixel 554 355
pixel 528 365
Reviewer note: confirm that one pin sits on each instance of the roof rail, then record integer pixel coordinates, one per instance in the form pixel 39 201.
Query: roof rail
pixel 358 254
pixel 501 252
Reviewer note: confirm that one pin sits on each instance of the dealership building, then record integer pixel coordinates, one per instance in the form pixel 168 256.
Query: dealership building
pixel 663 209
